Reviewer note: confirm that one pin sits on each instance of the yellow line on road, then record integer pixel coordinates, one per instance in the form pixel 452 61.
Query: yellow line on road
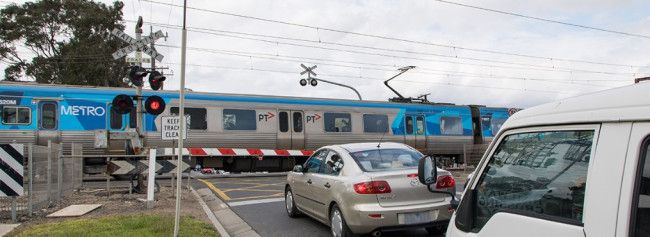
pixel 216 190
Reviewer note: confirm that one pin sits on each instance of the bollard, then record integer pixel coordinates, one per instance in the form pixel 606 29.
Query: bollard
pixel 108 180
pixel 14 217
pixel 151 179
pixel 30 166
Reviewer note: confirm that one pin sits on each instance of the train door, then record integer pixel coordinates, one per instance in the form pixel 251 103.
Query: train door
pixel 409 131
pixel 48 122
pixel 476 124
pixel 420 133
pixel 291 130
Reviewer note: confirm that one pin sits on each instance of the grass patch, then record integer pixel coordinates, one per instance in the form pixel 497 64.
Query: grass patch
pixel 130 225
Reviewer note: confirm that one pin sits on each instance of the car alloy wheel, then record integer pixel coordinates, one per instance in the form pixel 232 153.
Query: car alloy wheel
pixel 288 200
pixel 336 223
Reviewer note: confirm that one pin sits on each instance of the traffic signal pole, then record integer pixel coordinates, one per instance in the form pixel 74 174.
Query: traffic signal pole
pixel 138 58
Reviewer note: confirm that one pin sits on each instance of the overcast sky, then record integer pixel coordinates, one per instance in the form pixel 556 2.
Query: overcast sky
pixel 219 62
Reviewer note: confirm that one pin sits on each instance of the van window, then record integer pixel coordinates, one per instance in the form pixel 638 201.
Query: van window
pixel 197 116
pixel 451 126
pixel 541 174
pixel 338 122
pixel 641 211
pixel 239 119
pixel 16 115
pixel 375 123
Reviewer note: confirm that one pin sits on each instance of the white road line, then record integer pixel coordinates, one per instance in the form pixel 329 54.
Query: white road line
pixel 257 201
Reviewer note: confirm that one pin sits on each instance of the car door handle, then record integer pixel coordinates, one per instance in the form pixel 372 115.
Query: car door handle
pixel 309 181
pixel 327 185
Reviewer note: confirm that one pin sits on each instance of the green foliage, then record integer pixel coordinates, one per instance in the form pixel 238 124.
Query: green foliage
pixel 133 225
pixel 68 41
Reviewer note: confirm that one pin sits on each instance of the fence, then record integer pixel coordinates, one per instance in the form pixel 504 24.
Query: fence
pixel 473 153
pixel 48 177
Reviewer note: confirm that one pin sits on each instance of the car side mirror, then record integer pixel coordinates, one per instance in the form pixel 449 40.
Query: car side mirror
pixel 427 170
pixel 298 169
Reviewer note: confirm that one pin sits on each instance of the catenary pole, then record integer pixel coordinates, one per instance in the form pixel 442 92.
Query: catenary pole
pixel 181 114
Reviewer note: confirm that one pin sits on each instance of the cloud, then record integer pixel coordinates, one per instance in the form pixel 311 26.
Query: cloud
pixel 427 21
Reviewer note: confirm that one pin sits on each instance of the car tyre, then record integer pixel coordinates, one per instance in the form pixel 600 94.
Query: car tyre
pixel 436 230
pixel 338 226
pixel 290 204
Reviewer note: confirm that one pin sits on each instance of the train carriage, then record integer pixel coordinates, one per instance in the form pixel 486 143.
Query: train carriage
pixel 33 113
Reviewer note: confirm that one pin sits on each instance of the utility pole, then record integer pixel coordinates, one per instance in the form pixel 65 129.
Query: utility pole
pixel 181 115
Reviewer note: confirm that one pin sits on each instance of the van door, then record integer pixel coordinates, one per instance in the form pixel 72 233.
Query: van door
pixel 291 130
pixel 634 210
pixel 533 183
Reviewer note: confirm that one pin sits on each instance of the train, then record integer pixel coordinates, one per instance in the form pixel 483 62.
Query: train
pixel 38 113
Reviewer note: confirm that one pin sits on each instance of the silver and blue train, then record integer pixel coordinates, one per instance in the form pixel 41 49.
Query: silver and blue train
pixel 34 113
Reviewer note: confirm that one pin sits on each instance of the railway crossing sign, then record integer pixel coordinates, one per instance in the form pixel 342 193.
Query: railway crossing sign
pixel 11 170
pixel 142 44
pixel 131 167
pixel 309 70
pixel 170 126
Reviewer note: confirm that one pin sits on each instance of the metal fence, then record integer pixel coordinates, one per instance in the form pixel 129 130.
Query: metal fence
pixel 472 154
pixel 48 177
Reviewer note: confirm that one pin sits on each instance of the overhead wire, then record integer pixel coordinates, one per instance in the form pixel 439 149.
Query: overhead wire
pixel 444 73
pixel 537 67
pixel 544 19
pixel 375 78
pixel 455 47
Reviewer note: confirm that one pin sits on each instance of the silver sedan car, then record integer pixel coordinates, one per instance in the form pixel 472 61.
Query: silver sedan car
pixel 368 188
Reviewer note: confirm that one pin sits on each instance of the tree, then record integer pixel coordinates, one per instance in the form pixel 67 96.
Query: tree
pixel 69 42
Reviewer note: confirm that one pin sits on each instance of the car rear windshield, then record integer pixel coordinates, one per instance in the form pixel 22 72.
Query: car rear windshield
pixel 386 159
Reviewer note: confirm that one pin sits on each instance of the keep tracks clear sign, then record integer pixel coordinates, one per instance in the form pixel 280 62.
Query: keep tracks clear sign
pixel 171 125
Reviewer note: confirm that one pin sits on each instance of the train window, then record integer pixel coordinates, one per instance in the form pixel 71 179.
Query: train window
pixel 338 122
pixel 409 125
pixel 239 119
pixel 284 122
pixel 198 119
pixel 116 119
pixel 375 123
pixel 451 126
pixel 297 121
pixel 419 124
pixel 16 115
pixel 48 116
pixel 496 125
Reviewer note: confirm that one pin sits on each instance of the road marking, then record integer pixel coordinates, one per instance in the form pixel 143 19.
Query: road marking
pixel 258 201
pixel 252 190
pixel 254 197
pixel 211 186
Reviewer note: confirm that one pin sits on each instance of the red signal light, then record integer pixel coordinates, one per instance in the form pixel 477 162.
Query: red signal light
pixel 154 105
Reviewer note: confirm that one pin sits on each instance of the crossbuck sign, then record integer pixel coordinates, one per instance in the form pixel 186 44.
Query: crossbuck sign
pixel 142 44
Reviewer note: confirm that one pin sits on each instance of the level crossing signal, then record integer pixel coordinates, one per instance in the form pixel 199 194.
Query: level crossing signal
pixel 154 105
pixel 123 104
pixel 136 75
pixel 156 79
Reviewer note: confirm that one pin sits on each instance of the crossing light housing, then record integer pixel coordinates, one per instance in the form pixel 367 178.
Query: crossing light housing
pixel 154 105
pixel 122 104
pixel 303 82
pixel 156 80
pixel 136 75
pixel 313 82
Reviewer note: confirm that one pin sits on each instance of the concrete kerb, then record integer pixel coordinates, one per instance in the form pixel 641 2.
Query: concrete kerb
pixel 227 222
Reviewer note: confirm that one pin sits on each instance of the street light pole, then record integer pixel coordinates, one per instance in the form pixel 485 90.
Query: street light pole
pixel 181 115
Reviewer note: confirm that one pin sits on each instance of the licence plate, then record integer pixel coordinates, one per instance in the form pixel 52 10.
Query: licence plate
pixel 417 217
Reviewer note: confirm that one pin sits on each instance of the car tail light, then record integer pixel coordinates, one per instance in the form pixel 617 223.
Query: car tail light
pixel 412 175
pixel 446 181
pixel 372 187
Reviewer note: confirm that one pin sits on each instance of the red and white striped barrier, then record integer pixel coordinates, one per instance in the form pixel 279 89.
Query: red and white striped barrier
pixel 236 152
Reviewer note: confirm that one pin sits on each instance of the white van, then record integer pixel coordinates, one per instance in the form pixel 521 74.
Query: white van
pixel 576 167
